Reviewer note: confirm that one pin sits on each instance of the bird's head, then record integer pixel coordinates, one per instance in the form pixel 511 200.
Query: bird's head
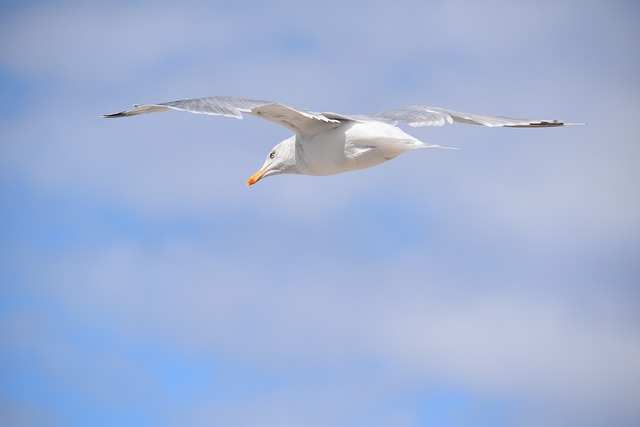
pixel 281 159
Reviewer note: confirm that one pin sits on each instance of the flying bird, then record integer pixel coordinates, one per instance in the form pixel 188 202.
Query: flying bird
pixel 330 143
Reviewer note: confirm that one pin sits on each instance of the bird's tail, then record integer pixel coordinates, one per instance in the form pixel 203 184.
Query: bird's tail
pixel 425 145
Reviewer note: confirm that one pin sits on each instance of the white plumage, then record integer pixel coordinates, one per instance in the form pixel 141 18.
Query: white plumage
pixel 330 143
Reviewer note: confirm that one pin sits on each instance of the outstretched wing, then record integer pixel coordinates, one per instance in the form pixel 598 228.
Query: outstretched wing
pixel 417 116
pixel 300 121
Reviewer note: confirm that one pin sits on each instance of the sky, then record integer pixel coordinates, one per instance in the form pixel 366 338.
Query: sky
pixel 143 283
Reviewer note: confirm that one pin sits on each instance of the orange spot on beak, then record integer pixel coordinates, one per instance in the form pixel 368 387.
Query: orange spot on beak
pixel 256 177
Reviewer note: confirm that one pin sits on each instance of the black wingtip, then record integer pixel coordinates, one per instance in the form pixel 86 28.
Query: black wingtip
pixel 545 124
pixel 113 116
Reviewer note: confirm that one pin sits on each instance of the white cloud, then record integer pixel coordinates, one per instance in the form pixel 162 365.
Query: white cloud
pixel 313 311
pixel 75 40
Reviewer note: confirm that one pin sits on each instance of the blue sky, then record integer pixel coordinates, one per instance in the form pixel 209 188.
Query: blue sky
pixel 144 284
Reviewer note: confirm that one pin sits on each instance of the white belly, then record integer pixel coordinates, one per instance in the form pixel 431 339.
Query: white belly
pixel 351 146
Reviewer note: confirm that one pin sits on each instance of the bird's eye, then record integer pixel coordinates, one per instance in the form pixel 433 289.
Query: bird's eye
pixel 272 154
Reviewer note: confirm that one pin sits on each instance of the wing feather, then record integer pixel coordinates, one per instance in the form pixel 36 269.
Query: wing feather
pixel 298 120
pixel 418 116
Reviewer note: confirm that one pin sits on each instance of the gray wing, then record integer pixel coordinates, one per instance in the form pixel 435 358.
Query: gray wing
pixel 298 120
pixel 417 116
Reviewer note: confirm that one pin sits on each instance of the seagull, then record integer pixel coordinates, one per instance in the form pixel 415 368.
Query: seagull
pixel 330 143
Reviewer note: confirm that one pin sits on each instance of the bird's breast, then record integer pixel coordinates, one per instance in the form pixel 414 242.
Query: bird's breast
pixel 351 146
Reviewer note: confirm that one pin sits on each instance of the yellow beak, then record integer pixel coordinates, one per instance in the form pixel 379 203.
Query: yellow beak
pixel 256 177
